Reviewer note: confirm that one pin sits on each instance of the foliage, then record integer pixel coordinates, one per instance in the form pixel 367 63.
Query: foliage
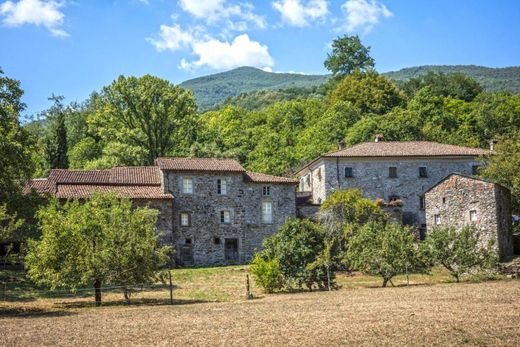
pixel 296 247
pixel 369 92
pixel 147 117
pixel 101 241
pixel 348 55
pixel 456 85
pixel 267 273
pixel 8 224
pixel 385 250
pixel 459 251
pixel 56 146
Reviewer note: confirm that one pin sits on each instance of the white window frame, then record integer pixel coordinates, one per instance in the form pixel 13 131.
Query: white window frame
pixel 267 212
pixel 266 190
pixel 185 219
pixel 437 220
pixel 221 186
pixel 473 216
pixel 187 185
pixel 225 217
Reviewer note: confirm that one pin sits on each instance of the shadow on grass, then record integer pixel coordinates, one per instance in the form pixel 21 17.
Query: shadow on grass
pixel 132 303
pixel 32 312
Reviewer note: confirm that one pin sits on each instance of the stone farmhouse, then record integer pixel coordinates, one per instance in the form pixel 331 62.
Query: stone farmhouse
pixel 388 170
pixel 212 210
pixel 460 200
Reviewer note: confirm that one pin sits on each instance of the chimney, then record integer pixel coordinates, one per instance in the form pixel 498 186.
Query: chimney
pixel 379 137
pixel 342 145
pixel 492 144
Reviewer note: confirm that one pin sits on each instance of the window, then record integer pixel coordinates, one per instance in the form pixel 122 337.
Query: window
pixel 308 179
pixel 266 190
pixel 349 172
pixel 473 215
pixel 393 198
pixel 267 212
pixel 422 202
pixel 437 219
pixel 221 187
pixel 216 240
pixel 185 219
pixel 423 172
pixel 392 172
pixel 319 174
pixel 187 186
pixel 443 200
pixel 225 217
pixel 475 169
pixel 187 241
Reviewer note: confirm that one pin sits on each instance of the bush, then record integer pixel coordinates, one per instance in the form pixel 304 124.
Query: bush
pixel 267 273
pixel 385 250
pixel 459 251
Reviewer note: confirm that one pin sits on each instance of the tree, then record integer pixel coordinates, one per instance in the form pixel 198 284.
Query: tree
pixel 459 251
pixel 146 114
pixel 8 224
pixel 384 250
pixel 348 55
pixel 370 93
pixel 456 85
pixel 267 273
pixel 57 143
pixel 101 241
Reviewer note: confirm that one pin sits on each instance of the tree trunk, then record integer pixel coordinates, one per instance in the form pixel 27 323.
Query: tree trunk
pixel 97 292
pixel 385 281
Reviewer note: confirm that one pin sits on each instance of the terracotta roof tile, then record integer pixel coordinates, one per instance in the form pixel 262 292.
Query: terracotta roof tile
pixel 406 149
pixel 82 191
pixel 62 176
pixel 263 178
pixel 199 164
pixel 141 175
pixel 40 186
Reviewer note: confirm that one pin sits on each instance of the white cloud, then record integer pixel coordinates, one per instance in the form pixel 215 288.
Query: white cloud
pixel 171 38
pixel 298 14
pixel 242 51
pixel 37 12
pixel 362 15
pixel 213 11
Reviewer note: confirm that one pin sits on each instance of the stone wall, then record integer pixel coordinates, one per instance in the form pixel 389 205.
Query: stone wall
pixel 204 240
pixel 454 198
pixel 371 176
pixel 164 220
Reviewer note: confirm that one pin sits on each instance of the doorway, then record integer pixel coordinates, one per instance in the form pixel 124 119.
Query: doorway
pixel 231 250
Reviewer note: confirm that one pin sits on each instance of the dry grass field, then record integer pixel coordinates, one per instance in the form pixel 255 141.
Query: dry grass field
pixel 210 309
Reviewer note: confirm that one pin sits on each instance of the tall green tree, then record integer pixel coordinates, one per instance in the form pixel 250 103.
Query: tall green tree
pixel 456 85
pixel 97 242
pixel 146 116
pixel 57 147
pixel 348 55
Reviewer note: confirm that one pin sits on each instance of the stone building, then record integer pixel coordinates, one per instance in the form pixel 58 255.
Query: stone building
pixel 212 210
pixel 460 200
pixel 389 171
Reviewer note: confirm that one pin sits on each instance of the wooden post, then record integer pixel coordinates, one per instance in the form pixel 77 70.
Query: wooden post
pixel 249 295
pixel 171 286
pixel 328 278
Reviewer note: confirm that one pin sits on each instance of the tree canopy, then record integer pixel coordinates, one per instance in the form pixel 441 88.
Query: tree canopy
pixel 348 55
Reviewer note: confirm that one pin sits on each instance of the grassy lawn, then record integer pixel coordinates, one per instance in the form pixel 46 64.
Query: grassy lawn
pixel 211 309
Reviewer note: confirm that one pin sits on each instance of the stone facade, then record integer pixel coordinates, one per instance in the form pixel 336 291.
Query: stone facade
pixel 371 175
pixel 207 240
pixel 460 200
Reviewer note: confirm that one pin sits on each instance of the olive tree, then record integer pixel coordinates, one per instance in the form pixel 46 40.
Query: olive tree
pixel 97 242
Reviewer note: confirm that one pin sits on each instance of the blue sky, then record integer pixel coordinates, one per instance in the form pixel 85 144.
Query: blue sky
pixel 73 47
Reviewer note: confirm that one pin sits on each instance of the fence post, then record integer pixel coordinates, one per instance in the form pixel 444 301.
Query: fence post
pixel 249 296
pixel 328 277
pixel 171 286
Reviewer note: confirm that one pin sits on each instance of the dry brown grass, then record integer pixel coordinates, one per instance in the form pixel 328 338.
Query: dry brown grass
pixel 214 312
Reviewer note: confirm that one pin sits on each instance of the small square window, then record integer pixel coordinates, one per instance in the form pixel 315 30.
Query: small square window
pixel 187 186
pixel 221 187
pixel 423 172
pixel 349 172
pixel 473 215
pixel 392 172
pixel 216 240
pixel 185 219
pixel 266 190
pixel 475 169
pixel 437 219
pixel 187 241
pixel 225 217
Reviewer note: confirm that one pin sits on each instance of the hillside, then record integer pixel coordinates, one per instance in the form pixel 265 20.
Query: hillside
pixel 212 90
pixel 491 79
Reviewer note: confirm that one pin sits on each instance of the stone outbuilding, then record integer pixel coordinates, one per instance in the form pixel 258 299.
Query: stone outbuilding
pixel 460 200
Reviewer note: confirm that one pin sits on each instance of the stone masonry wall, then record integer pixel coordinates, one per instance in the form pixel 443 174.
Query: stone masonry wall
pixel 243 201
pixel 454 198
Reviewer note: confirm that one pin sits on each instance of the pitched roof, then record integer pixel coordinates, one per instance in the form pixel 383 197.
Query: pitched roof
pixel 39 185
pixel 124 175
pixel 406 149
pixel 256 177
pixel 475 178
pixel 82 191
pixel 199 164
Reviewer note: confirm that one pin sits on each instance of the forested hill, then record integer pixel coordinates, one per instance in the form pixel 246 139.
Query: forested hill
pixel 212 90
pixel 491 79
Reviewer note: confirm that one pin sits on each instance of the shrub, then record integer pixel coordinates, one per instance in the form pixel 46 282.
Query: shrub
pixel 385 250
pixel 459 251
pixel 267 273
